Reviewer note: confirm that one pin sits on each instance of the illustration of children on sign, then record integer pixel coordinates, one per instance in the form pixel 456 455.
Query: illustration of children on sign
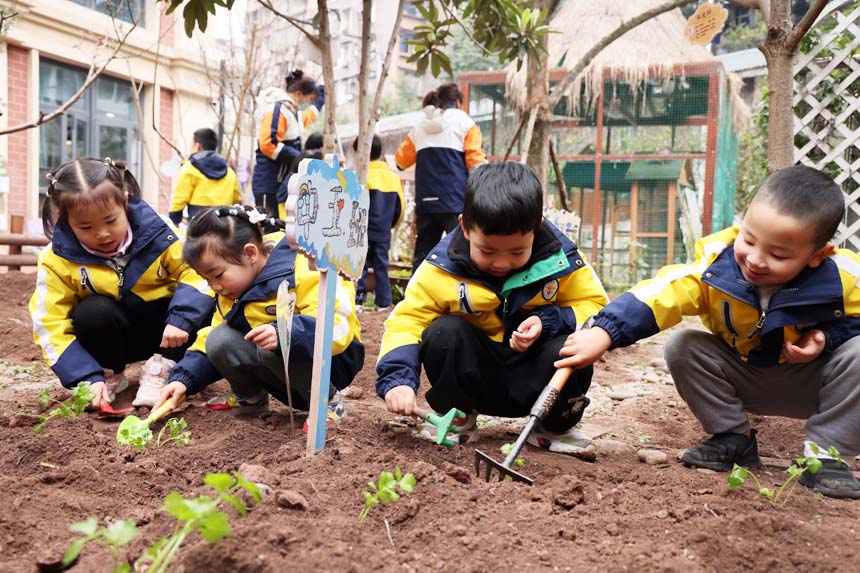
pixel 336 206
pixel 337 240
pixel 357 226
pixel 307 206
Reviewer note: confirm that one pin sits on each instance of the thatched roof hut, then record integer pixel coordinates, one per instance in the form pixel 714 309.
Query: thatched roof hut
pixel 649 50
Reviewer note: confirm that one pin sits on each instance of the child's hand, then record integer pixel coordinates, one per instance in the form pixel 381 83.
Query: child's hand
pixel 400 400
pixel 102 393
pixel 807 349
pixel 266 337
pixel 174 392
pixel 526 333
pixel 173 337
pixel 584 347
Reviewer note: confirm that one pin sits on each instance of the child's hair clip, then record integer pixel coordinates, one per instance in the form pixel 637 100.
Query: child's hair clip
pixel 256 217
pixel 228 212
pixel 110 162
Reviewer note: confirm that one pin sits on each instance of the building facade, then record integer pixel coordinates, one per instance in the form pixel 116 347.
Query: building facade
pixel 155 89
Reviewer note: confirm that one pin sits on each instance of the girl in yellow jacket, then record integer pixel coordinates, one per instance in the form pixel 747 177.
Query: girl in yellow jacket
pixel 227 247
pixel 112 287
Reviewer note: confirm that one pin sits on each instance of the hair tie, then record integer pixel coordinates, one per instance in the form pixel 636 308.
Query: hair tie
pixel 228 211
pixel 256 217
pixel 109 162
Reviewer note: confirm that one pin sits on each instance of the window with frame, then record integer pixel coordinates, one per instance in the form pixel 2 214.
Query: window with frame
pixel 127 10
pixel 102 123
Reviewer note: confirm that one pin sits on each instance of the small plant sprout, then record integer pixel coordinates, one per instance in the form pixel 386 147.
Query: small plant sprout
pixel 385 490
pixel 176 433
pixel 644 439
pixel 202 514
pixel 82 395
pixel 506 449
pixel 811 464
pixel 111 538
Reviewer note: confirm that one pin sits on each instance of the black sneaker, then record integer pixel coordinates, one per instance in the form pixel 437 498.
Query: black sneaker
pixel 833 480
pixel 722 451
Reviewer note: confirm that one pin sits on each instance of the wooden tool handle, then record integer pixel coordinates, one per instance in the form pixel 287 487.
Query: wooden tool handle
pixel 559 379
pixel 160 412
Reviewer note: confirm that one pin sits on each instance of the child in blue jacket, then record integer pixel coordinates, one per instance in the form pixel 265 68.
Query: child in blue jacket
pixel 783 310
pixel 385 213
pixel 112 287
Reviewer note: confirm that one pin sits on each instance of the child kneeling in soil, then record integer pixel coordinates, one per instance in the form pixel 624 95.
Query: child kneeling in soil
pixel 783 308
pixel 226 246
pixel 112 287
pixel 488 311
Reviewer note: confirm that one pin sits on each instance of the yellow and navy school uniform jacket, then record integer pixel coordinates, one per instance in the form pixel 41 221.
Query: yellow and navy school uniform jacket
pixel 557 284
pixel 155 271
pixel 713 287
pixel 205 180
pixel 279 141
pixel 386 201
pixel 444 146
pixel 258 305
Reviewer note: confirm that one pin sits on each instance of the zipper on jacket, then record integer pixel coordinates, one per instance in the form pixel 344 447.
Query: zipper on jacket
pixel 727 318
pixel 505 305
pixel 760 323
pixel 86 282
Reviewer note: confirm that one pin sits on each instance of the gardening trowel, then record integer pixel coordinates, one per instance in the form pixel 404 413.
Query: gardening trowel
pixel 285 306
pixel 539 410
pixel 133 428
pixel 444 424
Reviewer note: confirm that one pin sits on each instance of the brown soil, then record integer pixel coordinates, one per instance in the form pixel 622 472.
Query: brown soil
pixel 615 514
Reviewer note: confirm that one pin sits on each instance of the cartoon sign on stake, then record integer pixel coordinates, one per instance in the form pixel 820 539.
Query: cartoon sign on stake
pixel 330 210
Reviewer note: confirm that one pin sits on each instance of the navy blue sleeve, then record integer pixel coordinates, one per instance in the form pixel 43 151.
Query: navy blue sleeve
pixel 399 367
pixel 837 332
pixel 195 370
pixel 555 320
pixel 627 319
pixel 189 308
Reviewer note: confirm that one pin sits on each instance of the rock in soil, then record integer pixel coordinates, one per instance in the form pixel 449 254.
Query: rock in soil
pixel 352 392
pixel 607 447
pixel 459 473
pixel 258 474
pixel 291 500
pixel 566 491
pixel 653 457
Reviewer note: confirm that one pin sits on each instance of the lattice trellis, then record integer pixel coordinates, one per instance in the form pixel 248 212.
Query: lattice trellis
pixel 827 106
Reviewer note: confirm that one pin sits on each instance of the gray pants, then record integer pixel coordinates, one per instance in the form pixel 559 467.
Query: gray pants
pixel 250 369
pixel 719 388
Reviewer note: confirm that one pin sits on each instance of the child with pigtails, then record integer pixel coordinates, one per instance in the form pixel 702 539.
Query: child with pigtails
pixel 227 247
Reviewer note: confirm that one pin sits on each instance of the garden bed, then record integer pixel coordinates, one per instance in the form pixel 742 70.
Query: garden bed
pixel 615 514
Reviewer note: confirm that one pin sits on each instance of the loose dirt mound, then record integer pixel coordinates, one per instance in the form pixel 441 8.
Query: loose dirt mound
pixel 616 514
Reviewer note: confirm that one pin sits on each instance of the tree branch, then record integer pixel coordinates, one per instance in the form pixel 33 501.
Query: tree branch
pixel 92 74
pixel 386 67
pixel 299 24
pixel 805 24
pixel 562 87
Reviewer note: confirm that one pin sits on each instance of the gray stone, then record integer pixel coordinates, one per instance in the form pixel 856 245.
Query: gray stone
pixel 291 499
pixel 653 457
pixel 662 514
pixel 259 474
pixel 705 471
pixel 609 447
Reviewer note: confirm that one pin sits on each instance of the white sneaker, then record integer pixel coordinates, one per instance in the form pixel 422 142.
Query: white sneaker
pixel 115 383
pixel 574 442
pixel 153 377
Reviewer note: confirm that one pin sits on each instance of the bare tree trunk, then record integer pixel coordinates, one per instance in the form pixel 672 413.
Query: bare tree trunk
pixel 364 135
pixel 330 129
pixel 780 81
pixel 537 97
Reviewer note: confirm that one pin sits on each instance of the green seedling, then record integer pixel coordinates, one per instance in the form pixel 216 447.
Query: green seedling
pixel 176 433
pixel 644 439
pixel 111 538
pixel 506 449
pixel 385 490
pixel 202 514
pixel 82 395
pixel 811 464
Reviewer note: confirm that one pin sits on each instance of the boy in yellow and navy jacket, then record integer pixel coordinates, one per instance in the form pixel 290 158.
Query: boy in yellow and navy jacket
pixel 488 311
pixel 783 310
pixel 205 180
pixel 235 346
pixel 384 213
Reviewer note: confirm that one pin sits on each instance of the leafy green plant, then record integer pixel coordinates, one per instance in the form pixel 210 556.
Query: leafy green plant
pixel 506 449
pixel 201 514
pixel 644 439
pixel 175 428
pixel 112 538
pixel 82 395
pixel 385 490
pixel 809 464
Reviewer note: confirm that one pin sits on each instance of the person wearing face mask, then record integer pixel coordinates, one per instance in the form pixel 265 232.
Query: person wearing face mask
pixel 285 113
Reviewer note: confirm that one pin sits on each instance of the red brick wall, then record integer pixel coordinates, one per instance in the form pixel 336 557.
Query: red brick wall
pixel 165 152
pixel 168 28
pixel 18 66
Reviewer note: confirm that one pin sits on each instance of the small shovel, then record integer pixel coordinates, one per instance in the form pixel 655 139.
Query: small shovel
pixel 108 411
pixel 136 432
pixel 444 424
pixel 539 410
